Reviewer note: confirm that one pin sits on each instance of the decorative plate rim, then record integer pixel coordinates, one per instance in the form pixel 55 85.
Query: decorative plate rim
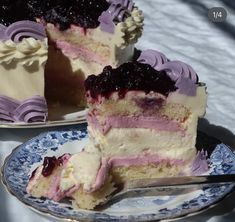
pixel 49 214
pixel 49 123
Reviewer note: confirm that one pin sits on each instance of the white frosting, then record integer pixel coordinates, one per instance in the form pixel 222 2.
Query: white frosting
pixel 81 169
pixel 28 52
pixel 132 27
pixel 195 103
pixel 22 68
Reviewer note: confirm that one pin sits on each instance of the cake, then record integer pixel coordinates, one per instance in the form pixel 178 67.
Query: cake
pixel 83 37
pixel 142 123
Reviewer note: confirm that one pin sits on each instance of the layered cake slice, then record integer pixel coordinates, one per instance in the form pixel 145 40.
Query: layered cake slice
pixel 84 36
pixel 142 123
pixel 143 116
pixel 23 54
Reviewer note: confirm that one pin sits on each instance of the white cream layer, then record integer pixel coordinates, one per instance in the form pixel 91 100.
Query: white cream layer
pixel 129 141
pixel 81 169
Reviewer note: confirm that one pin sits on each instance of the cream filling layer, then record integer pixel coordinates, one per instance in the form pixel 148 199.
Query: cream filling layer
pixel 133 141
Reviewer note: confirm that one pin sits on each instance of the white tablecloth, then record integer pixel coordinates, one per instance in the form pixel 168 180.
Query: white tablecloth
pixel 181 30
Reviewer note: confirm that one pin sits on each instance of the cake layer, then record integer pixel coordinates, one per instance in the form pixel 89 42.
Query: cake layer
pixel 175 106
pixel 81 199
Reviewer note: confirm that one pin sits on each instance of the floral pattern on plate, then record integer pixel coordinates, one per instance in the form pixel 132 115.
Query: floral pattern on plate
pixel 178 201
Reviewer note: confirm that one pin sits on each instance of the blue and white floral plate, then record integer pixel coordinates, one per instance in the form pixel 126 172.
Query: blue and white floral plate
pixel 177 203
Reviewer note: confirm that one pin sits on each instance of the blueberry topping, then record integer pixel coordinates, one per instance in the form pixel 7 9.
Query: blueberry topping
pixel 62 13
pixel 129 76
pixel 84 13
pixel 12 11
pixel 49 165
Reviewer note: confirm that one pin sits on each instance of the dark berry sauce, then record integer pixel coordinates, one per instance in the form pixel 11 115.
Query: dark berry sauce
pixel 62 13
pixel 149 103
pixel 14 10
pixel 83 13
pixel 49 165
pixel 129 76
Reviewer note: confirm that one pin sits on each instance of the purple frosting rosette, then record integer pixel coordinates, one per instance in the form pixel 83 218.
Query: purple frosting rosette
pixel 182 74
pixel 118 11
pixel 22 29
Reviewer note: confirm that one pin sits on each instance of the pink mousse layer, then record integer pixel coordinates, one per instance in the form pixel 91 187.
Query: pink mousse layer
pixel 133 122
pixel 73 52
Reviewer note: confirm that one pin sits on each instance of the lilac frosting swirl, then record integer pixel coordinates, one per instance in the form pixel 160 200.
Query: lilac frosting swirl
pixel 29 110
pixel 118 11
pixel 22 29
pixel 182 74
pixel 153 58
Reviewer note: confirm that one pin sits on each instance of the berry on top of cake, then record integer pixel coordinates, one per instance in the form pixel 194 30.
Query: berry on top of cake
pixel 142 123
pixel 83 37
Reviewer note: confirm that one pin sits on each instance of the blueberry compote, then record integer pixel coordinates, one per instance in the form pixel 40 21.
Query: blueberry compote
pixel 62 13
pixel 49 164
pixel 13 10
pixel 83 13
pixel 129 76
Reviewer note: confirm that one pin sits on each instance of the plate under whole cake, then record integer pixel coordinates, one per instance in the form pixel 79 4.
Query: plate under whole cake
pixel 58 116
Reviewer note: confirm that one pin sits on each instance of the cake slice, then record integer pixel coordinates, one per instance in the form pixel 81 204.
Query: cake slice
pixel 23 54
pixel 82 177
pixel 143 117
pixel 142 123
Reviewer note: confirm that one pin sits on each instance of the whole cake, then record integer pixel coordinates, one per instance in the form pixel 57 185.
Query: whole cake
pixel 142 123
pixel 83 37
